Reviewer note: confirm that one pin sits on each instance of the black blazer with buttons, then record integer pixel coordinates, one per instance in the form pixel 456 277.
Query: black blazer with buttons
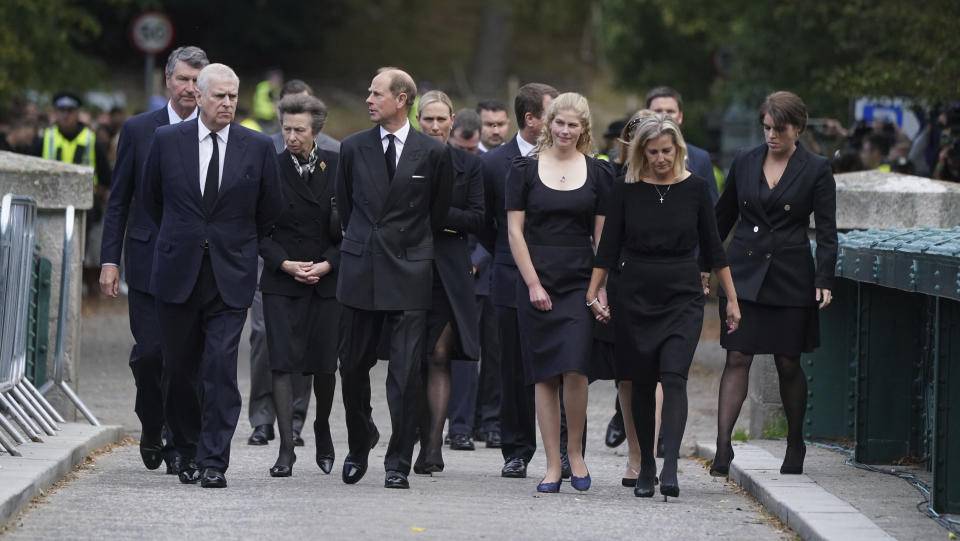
pixel 303 231
pixel 387 253
pixel 770 256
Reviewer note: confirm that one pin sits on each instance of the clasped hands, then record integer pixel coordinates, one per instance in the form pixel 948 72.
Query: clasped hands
pixel 306 272
pixel 600 308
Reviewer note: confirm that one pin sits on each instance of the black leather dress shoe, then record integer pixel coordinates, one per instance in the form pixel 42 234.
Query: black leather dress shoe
pixel 461 442
pixel 479 434
pixel 150 453
pixel 325 462
pixel 515 468
pixel 173 465
pixel 615 432
pixel 213 479
pixel 261 435
pixel 493 439
pixel 395 479
pixel 297 440
pixel 189 472
pixel 354 469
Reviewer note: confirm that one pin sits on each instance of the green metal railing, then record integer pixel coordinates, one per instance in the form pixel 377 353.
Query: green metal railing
pixel 38 320
pixel 888 369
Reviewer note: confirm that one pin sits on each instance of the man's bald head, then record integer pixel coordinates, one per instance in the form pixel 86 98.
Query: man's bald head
pixel 400 82
pixel 392 92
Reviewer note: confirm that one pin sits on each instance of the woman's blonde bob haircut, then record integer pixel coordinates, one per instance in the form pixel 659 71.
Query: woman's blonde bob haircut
pixel 572 102
pixel 650 128
pixel 434 96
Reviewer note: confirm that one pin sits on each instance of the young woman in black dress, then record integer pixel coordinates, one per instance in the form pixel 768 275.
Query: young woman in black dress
pixel 554 217
pixel 656 218
pixel 772 190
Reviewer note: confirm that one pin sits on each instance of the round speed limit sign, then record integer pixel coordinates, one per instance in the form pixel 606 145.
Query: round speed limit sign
pixel 152 32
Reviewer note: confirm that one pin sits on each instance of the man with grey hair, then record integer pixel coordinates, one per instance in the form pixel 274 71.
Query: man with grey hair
pixel 212 187
pixel 393 192
pixel 126 216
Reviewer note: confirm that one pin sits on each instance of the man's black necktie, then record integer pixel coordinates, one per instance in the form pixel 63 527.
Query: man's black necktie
pixel 212 184
pixel 391 156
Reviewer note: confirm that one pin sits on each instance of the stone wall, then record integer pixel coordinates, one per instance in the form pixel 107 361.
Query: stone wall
pixel 54 186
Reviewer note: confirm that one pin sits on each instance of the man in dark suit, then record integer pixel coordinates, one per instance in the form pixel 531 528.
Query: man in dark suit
pixel 393 192
pixel 517 412
pixel 212 186
pixel 127 203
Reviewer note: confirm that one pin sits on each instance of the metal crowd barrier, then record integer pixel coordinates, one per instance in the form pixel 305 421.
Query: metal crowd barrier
pixel 30 415
pixel 57 382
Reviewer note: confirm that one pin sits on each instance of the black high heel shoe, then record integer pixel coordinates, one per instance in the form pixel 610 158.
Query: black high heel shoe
pixel 283 470
pixel 325 453
pixel 644 487
pixel 669 486
pixel 793 460
pixel 721 468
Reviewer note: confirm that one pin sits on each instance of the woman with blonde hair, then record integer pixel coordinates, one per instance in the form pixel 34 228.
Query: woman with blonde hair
pixel 554 205
pixel 656 218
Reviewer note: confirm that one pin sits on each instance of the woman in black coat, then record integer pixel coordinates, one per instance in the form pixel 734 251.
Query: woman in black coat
pixel 772 189
pixel 301 254
pixel 452 325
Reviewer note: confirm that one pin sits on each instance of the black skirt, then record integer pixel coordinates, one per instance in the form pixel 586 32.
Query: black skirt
pixel 302 333
pixel 439 315
pixel 771 330
pixel 560 340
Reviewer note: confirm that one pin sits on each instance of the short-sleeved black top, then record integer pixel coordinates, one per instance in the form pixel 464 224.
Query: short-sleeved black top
pixel 637 223
pixel 553 214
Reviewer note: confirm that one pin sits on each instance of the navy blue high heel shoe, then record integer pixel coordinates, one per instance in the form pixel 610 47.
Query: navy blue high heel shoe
pixel 580 483
pixel 551 488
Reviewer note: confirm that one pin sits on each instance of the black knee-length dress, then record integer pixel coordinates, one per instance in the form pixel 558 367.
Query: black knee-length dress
pixel 558 230
pixel 657 310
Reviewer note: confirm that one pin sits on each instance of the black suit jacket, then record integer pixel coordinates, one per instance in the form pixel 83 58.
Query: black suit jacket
pixel 127 202
pixel 496 163
pixel 386 257
pixel 770 255
pixel 302 233
pixel 248 201
pixel 452 250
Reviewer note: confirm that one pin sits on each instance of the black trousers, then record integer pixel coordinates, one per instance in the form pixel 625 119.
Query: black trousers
pixel 146 363
pixel 359 336
pixel 475 397
pixel 199 344
pixel 518 419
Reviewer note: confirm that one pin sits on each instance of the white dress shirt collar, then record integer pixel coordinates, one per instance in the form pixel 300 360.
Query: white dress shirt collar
pixel 400 138
pixel 175 118
pixel 206 151
pixel 203 131
pixel 525 147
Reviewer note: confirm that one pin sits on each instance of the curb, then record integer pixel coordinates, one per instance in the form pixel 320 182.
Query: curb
pixel 803 505
pixel 23 478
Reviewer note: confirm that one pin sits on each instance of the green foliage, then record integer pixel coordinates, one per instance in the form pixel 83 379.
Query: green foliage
pixel 740 434
pixel 825 51
pixel 40 43
pixel 775 428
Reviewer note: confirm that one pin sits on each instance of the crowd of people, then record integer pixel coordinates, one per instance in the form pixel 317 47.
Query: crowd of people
pixel 497 276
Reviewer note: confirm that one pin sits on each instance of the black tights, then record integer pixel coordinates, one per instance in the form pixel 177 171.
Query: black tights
pixel 437 384
pixel 323 387
pixel 673 420
pixel 733 391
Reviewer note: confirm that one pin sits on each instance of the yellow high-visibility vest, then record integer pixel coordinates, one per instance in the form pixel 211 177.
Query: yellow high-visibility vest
pixel 79 150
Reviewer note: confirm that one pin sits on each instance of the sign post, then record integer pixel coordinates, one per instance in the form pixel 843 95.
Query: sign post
pixel 151 33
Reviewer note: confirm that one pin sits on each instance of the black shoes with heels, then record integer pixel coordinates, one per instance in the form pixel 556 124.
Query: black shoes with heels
pixel 721 463
pixel 793 459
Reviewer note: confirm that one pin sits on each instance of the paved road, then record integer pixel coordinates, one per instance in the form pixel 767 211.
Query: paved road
pixel 116 497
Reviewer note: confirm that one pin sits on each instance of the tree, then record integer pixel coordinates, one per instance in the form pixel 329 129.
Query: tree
pixel 40 42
